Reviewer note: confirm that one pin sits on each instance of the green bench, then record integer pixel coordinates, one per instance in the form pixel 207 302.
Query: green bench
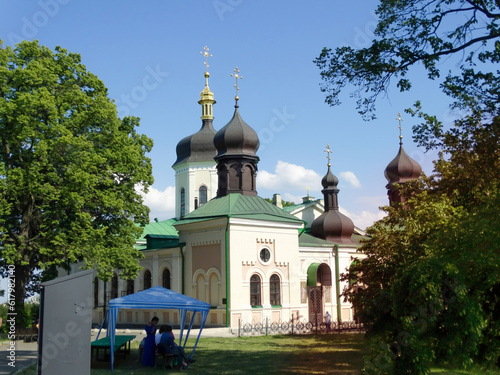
pixel 122 346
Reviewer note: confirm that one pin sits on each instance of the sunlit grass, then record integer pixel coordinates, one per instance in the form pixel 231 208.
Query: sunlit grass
pixel 291 354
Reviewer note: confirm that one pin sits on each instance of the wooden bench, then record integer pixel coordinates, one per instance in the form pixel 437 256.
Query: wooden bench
pixel 122 346
pixel 167 360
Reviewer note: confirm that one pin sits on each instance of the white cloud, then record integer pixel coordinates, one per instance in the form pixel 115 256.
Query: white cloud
pixel 351 178
pixel 161 203
pixel 365 218
pixel 288 177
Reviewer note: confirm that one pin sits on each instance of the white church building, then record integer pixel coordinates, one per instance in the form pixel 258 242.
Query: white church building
pixel 252 260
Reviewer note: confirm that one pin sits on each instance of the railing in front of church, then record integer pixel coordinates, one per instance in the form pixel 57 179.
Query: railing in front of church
pixel 295 326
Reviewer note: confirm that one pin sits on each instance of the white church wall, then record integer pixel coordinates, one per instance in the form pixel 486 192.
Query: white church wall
pixel 247 239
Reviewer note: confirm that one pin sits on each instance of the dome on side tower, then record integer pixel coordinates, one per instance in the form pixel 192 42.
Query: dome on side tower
pixel 332 225
pixel 200 145
pixel 400 170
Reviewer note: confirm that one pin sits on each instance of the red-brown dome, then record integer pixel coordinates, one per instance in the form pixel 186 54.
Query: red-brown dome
pixel 402 168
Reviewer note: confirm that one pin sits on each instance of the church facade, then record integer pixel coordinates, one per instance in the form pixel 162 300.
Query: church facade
pixel 252 260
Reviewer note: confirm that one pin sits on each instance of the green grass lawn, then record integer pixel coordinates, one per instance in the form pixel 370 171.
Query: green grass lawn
pixel 304 354
pixel 317 354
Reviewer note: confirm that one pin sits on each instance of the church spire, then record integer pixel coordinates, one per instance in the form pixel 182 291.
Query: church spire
pixel 332 225
pixel 236 76
pixel 400 129
pixel 401 169
pixel 207 97
pixel 237 144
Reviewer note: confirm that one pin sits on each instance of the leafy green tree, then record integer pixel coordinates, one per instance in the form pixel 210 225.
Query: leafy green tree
pixel 69 168
pixel 411 32
pixel 428 285
pixel 283 202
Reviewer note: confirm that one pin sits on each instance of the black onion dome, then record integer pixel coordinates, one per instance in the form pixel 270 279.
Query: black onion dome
pixel 329 180
pixel 236 138
pixel 333 226
pixel 402 168
pixel 198 146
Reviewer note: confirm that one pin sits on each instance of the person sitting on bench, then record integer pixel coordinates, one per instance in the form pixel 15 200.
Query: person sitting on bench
pixel 168 346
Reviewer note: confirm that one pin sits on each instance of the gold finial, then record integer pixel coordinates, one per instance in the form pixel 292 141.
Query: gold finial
pixel 400 129
pixel 207 55
pixel 328 152
pixel 236 76
pixel 206 96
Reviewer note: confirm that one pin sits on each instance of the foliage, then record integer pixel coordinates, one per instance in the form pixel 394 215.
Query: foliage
pixel 413 32
pixel 283 202
pixel 430 276
pixel 27 316
pixel 431 273
pixel 69 168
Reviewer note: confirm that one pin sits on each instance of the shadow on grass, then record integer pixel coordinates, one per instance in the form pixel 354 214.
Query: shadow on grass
pixel 318 354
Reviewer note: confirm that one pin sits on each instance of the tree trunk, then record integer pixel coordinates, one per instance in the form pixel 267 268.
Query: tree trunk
pixel 21 277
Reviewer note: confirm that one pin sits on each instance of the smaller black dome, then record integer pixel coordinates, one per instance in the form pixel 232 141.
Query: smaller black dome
pixel 329 180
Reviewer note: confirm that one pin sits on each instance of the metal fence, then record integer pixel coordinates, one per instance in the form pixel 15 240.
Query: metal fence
pixel 296 327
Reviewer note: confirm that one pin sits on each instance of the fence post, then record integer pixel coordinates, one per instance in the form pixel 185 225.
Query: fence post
pixel 239 327
pixel 267 325
pixel 292 324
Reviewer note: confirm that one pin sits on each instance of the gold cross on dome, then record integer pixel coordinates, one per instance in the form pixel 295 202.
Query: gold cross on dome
pixel 400 129
pixel 328 152
pixel 207 55
pixel 236 76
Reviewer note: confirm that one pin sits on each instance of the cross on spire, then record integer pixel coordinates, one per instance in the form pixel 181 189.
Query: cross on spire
pixel 236 76
pixel 328 152
pixel 400 129
pixel 207 55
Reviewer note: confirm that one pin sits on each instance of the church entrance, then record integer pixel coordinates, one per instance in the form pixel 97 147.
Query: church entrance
pixel 315 305
pixel 319 279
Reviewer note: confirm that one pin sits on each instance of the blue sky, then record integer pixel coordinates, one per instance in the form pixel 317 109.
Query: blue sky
pixel 148 55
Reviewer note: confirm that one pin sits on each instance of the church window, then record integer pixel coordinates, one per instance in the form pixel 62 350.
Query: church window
pixel 183 202
pixel 96 292
pixel 274 288
pixel 166 278
pixel 265 255
pixel 114 286
pixel 130 287
pixel 147 279
pixel 255 284
pixel 203 194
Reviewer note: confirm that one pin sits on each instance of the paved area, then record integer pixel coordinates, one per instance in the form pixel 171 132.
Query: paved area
pixel 26 353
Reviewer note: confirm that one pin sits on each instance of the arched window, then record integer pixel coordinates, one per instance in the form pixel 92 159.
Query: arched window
pixel 114 286
pixel 203 195
pixel 255 291
pixel 96 292
pixel 166 278
pixel 274 287
pixel 130 287
pixel 183 202
pixel 147 279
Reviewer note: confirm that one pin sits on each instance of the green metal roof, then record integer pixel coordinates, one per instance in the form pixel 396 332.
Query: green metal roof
pixel 308 240
pixel 241 206
pixel 164 228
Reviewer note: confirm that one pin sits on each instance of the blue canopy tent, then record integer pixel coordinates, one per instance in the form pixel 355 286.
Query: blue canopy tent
pixel 158 298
